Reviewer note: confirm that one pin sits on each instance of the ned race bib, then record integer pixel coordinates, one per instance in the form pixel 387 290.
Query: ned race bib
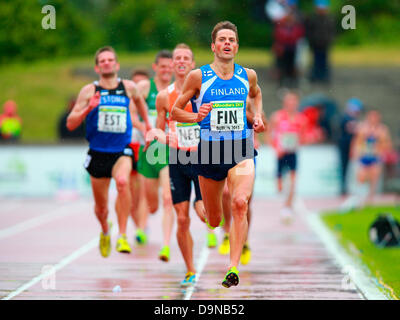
pixel 227 116
pixel 112 119
pixel 188 134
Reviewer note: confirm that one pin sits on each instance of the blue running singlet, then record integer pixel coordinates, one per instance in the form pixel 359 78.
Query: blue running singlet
pixel 109 125
pixel 227 119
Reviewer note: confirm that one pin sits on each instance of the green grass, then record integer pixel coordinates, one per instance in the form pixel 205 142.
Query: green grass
pixel 42 89
pixel 351 229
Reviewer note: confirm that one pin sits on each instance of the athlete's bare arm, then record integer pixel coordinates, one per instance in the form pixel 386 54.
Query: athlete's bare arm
pixel 137 98
pixel 358 140
pixel 144 88
pixel 191 88
pixel 162 108
pixel 87 100
pixel 255 94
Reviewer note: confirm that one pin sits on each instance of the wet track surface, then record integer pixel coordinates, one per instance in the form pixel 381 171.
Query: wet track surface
pixel 288 262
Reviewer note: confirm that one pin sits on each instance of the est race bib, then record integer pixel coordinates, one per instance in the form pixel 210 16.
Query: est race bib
pixel 188 134
pixel 227 116
pixel 112 119
pixel 289 141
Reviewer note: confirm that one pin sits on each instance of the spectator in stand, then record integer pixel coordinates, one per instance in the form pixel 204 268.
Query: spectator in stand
pixel 287 32
pixel 63 132
pixel 348 127
pixel 320 32
pixel 10 122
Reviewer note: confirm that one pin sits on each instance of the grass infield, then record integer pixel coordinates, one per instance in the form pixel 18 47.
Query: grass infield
pixel 351 229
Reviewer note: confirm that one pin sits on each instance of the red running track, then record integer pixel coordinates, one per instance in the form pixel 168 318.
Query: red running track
pixel 36 235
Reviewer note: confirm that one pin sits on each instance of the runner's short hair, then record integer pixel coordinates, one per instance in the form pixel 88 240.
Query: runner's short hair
pixel 163 54
pixel 140 71
pixel 183 46
pixel 103 49
pixel 224 25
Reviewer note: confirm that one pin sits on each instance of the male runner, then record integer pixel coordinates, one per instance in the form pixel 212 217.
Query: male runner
pixel 105 105
pixel 182 139
pixel 287 130
pixel 139 209
pixel 219 91
pixel 224 247
pixel 371 142
pixel 156 172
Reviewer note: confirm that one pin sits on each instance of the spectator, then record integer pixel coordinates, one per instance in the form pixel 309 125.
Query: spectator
pixel 348 126
pixel 63 132
pixel 288 31
pixel 10 122
pixel 320 31
pixel 139 74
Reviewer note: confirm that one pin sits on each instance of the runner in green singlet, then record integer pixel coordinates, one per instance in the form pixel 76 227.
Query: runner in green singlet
pixel 153 163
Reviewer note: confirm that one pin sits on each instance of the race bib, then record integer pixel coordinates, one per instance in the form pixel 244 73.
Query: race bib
pixel 112 119
pixel 188 134
pixel 152 115
pixel 289 141
pixel 227 116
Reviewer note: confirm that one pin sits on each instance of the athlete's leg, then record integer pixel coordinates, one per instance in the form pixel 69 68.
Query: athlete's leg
pixel 292 188
pixel 121 173
pixel 168 216
pixel 226 206
pixel 183 235
pixel 375 172
pixel 211 192
pixel 151 190
pixel 240 187
pixel 100 194
pixel 135 189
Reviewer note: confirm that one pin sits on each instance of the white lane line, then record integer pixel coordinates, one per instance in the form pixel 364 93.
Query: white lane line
pixel 201 263
pixel 61 264
pixel 356 270
pixel 37 221
pixel 64 262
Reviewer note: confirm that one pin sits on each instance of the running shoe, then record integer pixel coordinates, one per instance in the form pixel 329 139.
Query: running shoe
pixel 211 240
pixel 220 224
pixel 105 244
pixel 224 247
pixel 245 257
pixel 287 215
pixel 231 278
pixel 141 237
pixel 123 245
pixel 190 279
pixel 164 254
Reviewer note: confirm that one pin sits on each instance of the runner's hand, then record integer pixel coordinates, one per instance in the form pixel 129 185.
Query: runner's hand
pixel 94 101
pixel 204 110
pixel 258 124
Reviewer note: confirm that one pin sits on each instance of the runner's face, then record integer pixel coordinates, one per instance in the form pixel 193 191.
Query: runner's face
pixel 107 64
pixel 139 77
pixel 291 102
pixel 225 46
pixel 163 69
pixel 182 60
pixel 373 118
